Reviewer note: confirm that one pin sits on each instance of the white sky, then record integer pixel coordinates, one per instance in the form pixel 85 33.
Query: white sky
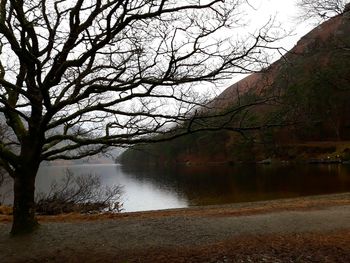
pixel 285 13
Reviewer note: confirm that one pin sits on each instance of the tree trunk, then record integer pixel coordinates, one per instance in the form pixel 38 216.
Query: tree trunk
pixel 24 220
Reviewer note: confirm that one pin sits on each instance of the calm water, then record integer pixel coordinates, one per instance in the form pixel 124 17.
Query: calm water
pixel 148 189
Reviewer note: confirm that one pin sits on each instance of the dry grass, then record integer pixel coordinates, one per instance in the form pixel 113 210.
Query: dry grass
pixel 5 210
pixel 241 209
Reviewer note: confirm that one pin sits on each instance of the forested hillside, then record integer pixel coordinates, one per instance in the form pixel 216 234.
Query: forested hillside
pixel 305 116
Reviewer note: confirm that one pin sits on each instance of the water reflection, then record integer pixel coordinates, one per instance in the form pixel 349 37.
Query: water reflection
pixel 139 194
pixel 148 188
pixel 229 184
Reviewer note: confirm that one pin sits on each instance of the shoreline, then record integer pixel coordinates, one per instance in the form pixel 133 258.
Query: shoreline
pixel 310 229
pixel 268 161
pixel 306 203
pixel 309 152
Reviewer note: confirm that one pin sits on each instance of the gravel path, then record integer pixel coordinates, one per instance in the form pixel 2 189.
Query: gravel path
pixel 138 235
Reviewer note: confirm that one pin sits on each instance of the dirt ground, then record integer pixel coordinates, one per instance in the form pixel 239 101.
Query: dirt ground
pixel 313 229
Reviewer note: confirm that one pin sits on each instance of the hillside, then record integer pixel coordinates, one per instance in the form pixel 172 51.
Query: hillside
pixel 306 115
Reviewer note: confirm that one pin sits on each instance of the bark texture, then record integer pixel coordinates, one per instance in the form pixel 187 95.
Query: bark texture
pixel 24 220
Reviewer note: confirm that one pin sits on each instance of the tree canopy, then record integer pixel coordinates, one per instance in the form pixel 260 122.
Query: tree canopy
pixel 79 76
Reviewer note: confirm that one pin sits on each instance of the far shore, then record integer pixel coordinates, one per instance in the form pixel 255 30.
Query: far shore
pixel 268 161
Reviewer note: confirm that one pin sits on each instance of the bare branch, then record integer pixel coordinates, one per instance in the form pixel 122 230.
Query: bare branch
pixel 78 76
pixel 320 10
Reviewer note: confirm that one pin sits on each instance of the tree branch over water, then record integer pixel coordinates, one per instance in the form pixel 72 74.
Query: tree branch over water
pixel 77 77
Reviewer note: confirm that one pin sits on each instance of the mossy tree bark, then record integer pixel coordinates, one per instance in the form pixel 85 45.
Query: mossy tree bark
pixel 24 220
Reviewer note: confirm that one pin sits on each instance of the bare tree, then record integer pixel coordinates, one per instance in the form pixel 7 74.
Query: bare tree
pixel 320 9
pixel 77 77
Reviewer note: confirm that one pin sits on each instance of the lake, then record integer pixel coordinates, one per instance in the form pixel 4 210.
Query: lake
pixel 184 186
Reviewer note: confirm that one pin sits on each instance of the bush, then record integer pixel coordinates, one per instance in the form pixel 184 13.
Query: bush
pixel 5 186
pixel 83 194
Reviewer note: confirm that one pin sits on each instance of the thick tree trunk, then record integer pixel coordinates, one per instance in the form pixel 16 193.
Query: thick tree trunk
pixel 24 220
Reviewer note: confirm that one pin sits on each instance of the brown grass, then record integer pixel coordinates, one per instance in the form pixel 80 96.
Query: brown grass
pixel 5 210
pixel 241 209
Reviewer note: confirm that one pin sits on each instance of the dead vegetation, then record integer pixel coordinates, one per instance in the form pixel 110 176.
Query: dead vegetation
pixel 72 194
pixel 4 186
pixel 83 194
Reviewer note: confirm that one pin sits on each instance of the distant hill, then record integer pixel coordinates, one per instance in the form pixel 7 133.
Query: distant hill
pixel 8 135
pixel 309 91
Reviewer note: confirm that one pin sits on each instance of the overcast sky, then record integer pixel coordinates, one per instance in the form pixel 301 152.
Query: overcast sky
pixel 286 14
